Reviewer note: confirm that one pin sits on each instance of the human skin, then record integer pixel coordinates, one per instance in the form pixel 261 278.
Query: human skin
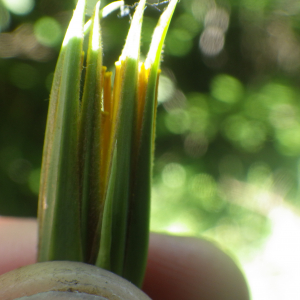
pixel 179 268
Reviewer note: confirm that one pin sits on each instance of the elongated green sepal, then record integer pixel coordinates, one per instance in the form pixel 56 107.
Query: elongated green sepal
pixel 158 38
pixel 59 211
pixel 104 257
pixel 139 207
pixel 125 134
pixel 90 142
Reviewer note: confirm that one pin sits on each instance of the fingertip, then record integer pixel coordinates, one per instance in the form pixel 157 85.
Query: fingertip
pixel 18 243
pixel 188 268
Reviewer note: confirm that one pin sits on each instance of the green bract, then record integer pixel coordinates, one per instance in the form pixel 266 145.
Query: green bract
pixel 94 201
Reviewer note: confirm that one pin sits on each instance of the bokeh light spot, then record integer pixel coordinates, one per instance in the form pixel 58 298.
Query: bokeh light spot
pixel 277 93
pixel 203 186
pixel 217 17
pixel 187 22
pixel 174 175
pixel 289 141
pixel 19 7
pixel 178 42
pixel 284 116
pixel 176 101
pixel 260 174
pixel 226 88
pixel 199 11
pixel 248 134
pixel 177 121
pixel 47 31
pixel 199 119
pixel 166 89
pixel 212 41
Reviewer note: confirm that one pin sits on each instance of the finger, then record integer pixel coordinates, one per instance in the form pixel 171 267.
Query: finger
pixel 178 268
pixel 191 269
pixel 18 243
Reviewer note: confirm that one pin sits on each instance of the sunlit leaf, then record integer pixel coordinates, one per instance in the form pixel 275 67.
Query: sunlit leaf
pixel 90 141
pixel 139 205
pixel 59 211
pixel 125 118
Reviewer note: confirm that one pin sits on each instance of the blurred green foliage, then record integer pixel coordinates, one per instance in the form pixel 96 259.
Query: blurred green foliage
pixel 228 121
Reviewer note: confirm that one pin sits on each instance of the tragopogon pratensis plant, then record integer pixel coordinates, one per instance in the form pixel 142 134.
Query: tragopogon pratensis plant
pixel 94 200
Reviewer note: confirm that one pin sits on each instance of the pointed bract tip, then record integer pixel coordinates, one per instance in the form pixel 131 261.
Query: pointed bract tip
pixel 160 34
pixel 75 28
pixel 96 29
pixel 132 45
